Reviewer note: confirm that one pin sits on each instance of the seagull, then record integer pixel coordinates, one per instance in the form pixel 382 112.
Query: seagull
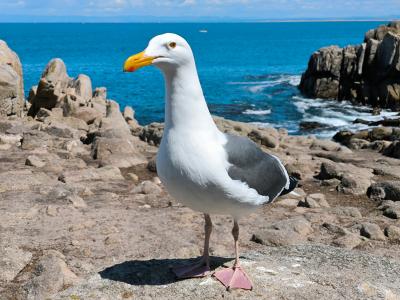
pixel 201 167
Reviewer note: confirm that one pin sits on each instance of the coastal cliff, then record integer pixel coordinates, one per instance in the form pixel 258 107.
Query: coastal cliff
pixel 84 215
pixel 368 73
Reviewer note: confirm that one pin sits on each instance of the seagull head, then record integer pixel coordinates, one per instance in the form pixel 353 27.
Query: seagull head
pixel 167 51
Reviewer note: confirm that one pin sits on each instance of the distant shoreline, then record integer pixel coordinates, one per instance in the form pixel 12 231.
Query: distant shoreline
pixel 325 21
pixel 198 22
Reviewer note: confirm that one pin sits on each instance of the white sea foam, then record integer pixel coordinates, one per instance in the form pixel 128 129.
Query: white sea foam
pixel 256 112
pixel 258 85
pixel 335 115
pixel 294 80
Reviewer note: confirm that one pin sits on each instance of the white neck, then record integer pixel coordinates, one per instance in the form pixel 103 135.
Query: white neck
pixel 185 106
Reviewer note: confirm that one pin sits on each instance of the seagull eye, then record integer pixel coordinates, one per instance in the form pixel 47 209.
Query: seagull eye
pixel 172 45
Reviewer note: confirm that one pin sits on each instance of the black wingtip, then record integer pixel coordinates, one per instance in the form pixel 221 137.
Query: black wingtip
pixel 292 185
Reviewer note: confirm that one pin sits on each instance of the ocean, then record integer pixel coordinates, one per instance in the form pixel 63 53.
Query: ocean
pixel 249 71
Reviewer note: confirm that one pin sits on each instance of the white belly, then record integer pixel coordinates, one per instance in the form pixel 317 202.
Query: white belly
pixel 189 167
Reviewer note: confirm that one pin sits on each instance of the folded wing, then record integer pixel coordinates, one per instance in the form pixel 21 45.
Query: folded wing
pixel 259 170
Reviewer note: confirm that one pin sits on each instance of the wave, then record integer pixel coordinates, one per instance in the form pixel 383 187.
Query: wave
pixel 272 80
pixel 335 115
pixel 256 112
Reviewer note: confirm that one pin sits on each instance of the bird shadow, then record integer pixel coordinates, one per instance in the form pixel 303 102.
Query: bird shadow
pixel 153 271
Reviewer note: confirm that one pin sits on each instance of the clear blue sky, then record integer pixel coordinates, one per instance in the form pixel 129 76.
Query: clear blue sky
pixel 182 9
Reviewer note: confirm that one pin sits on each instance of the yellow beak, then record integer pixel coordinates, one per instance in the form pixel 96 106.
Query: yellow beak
pixel 137 61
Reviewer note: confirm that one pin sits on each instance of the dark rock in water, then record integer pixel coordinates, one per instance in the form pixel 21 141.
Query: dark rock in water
pixel 365 73
pixel 361 121
pixel 306 126
pixel 395 122
pixel 376 111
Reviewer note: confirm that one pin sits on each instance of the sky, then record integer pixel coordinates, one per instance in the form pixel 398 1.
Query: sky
pixel 130 10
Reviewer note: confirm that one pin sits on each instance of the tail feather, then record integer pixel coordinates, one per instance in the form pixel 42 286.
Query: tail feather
pixel 292 185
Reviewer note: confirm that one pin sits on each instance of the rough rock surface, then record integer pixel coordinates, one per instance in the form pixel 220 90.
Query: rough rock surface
pixel 365 73
pixel 293 272
pixel 11 82
pixel 84 215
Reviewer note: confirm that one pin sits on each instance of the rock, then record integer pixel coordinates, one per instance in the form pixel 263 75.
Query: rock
pixel 364 74
pixel 11 82
pixel 329 171
pixel 12 261
pixel 309 126
pixel 114 124
pixel 75 147
pixel 372 231
pixel 36 139
pixel 152 166
pixel 343 238
pixel 51 210
pixel 288 232
pixel 392 212
pixel 380 133
pixel 34 161
pixel 88 114
pixel 287 202
pixel 348 241
pixel 325 145
pixel 386 190
pixel 129 113
pixel 133 177
pixel 52 87
pixel 393 150
pixel 268 137
pixel 83 86
pixel 103 173
pixel 152 133
pixel 347 211
pixel 77 201
pixel 43 114
pixel 353 180
pixel 75 123
pixel 296 272
pixel 315 201
pixel 50 274
pixel 11 139
pixel 326 62
pixel 331 182
pixel 60 130
pixel 147 187
pixel 119 152
pixel 100 92
pixel 393 233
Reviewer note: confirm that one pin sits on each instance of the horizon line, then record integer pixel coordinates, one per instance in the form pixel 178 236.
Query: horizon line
pixel 199 21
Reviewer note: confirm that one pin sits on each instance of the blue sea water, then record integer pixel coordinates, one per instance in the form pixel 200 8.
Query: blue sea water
pixel 249 71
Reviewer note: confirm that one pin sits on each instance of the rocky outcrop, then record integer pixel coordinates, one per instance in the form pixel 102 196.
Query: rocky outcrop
pixel 84 215
pixel 264 136
pixel 382 139
pixel 74 96
pixel 11 82
pixel 368 73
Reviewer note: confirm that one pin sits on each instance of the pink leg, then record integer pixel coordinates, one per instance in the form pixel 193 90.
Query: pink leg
pixel 235 277
pixel 201 267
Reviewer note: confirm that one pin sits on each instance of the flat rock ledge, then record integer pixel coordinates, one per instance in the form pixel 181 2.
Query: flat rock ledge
pixel 292 272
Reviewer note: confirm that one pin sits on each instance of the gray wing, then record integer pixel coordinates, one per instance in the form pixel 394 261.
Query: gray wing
pixel 261 171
